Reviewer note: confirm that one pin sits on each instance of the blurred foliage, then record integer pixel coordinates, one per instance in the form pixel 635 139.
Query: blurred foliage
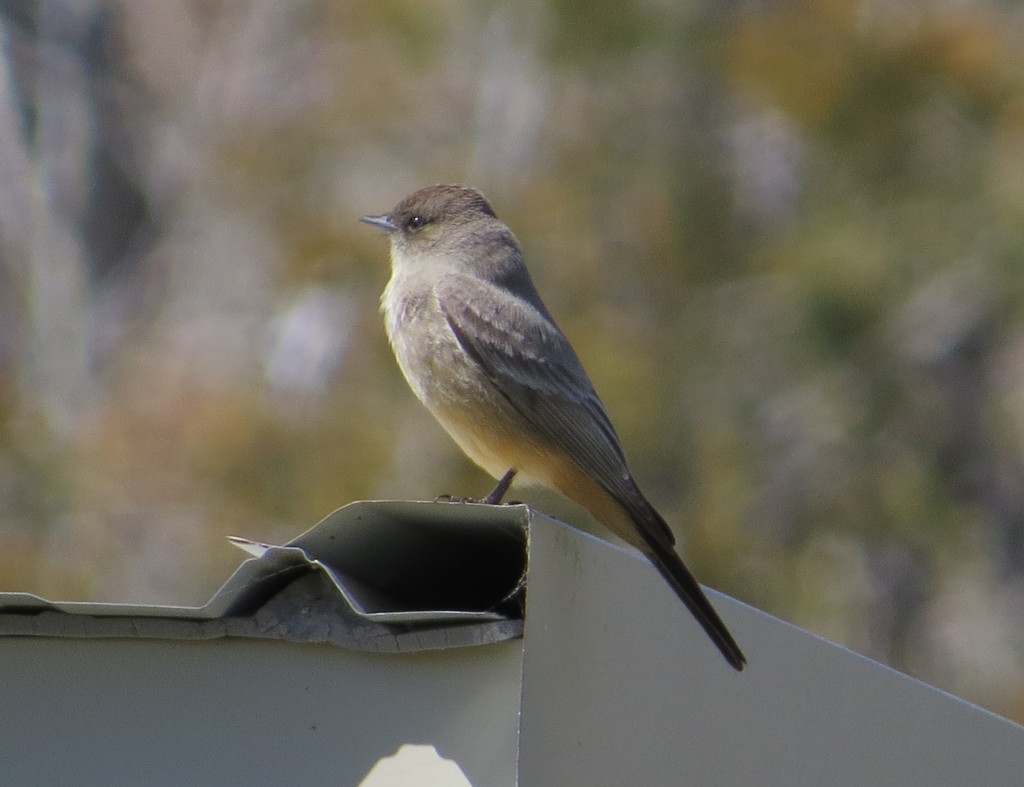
pixel 785 237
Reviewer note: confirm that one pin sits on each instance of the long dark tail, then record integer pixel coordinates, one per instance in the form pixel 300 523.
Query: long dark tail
pixel 665 558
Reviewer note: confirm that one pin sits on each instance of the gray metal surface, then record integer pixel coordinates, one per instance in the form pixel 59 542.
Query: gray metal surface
pixel 620 686
pixel 230 712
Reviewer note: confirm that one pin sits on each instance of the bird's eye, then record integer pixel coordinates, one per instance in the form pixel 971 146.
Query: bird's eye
pixel 416 222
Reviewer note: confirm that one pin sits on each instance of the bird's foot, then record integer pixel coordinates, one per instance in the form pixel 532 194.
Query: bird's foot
pixel 446 498
pixel 492 499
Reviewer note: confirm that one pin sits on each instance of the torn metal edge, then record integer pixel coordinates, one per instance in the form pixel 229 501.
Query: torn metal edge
pixel 322 586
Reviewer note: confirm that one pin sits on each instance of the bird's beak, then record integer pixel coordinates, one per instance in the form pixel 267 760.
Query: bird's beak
pixel 383 221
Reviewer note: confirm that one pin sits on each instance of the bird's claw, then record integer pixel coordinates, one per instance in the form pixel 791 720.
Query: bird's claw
pixel 446 498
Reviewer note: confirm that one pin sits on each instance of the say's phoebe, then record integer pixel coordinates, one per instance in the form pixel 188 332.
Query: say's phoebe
pixel 482 352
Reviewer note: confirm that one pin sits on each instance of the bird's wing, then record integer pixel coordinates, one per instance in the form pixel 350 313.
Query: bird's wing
pixel 531 363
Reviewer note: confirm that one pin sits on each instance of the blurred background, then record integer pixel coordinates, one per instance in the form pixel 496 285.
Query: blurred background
pixel 785 237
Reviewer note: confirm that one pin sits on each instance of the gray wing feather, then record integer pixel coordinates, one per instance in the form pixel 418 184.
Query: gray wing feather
pixel 533 366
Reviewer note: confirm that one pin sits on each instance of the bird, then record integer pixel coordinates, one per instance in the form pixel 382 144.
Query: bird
pixel 482 352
